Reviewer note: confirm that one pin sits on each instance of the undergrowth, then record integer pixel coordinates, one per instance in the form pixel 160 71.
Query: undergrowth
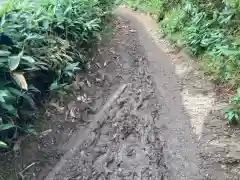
pixel 43 43
pixel 209 30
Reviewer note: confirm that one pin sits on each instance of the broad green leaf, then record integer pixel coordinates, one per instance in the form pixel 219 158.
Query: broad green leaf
pixel 230 115
pixel 7 126
pixel 67 10
pixel 26 96
pixel 20 80
pixel 34 37
pixel 3 60
pixel 30 129
pixel 3 20
pixel 4 53
pixel 3 93
pixel 10 109
pixel 72 67
pixel 13 62
pixel 54 85
pixel 28 58
pixel 15 91
pixel 3 82
pixel 30 100
pixel 3 145
pixel 46 24
pixel 2 99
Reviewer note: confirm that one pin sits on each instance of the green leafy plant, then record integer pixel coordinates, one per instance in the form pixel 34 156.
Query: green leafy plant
pixel 174 21
pixel 232 113
pixel 43 43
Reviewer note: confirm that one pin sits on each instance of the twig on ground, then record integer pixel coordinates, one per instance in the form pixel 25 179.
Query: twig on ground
pixel 28 167
pixel 21 173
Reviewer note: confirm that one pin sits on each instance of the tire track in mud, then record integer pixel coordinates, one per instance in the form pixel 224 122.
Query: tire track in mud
pixel 126 145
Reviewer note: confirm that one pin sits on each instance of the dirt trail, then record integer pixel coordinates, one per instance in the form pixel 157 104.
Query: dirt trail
pixel 148 130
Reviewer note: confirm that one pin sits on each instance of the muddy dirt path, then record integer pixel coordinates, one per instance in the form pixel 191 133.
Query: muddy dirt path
pixel 142 131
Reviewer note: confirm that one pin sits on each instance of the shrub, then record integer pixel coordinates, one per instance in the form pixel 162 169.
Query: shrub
pixel 232 113
pixel 42 45
pixel 174 20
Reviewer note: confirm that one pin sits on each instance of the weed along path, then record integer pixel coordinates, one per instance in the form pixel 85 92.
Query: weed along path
pixel 152 118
